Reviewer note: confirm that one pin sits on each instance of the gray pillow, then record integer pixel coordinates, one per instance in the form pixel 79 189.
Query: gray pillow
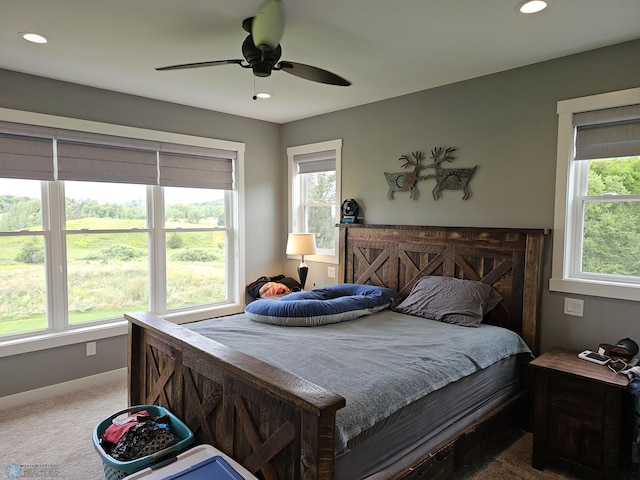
pixel 450 300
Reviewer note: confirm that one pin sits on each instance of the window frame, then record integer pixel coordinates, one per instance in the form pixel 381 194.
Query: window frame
pixel 59 332
pixel 162 232
pixel 296 195
pixel 570 184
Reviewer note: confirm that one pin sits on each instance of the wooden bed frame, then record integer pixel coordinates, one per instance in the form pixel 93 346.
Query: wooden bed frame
pixel 282 427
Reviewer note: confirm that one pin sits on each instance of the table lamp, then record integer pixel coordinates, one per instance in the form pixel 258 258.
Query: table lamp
pixel 301 244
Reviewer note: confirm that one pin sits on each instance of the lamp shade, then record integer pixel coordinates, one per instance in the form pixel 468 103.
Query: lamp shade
pixel 301 244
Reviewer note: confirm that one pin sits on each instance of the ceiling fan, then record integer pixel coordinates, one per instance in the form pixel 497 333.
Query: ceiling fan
pixel 261 50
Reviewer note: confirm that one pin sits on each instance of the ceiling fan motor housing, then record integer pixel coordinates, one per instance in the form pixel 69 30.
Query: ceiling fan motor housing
pixel 263 58
pixel 261 62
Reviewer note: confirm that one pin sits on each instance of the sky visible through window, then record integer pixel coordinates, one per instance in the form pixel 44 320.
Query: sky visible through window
pixel 105 192
pixel 19 188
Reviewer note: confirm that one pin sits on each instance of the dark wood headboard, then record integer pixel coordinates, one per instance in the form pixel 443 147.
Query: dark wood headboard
pixel 509 259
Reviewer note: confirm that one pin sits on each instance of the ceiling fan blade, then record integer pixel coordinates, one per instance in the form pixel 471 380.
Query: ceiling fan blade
pixel 201 64
pixel 268 25
pixel 314 74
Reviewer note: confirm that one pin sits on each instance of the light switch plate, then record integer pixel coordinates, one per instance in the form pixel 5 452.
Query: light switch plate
pixel 91 348
pixel 573 306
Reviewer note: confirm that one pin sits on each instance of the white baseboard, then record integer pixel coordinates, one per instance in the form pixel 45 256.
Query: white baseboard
pixel 30 396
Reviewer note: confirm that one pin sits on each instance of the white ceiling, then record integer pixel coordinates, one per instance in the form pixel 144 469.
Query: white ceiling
pixel 385 48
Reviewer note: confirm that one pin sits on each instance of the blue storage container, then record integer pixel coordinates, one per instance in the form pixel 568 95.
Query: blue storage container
pixel 117 470
pixel 214 468
pixel 203 462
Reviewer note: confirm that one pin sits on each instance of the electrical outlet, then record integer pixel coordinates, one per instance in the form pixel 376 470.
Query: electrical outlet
pixel 573 306
pixel 331 272
pixel 91 348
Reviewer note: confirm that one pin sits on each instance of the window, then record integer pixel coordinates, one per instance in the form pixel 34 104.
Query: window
pixel 23 286
pixel 95 225
pixel 106 248
pixel 596 248
pixel 314 176
pixel 196 243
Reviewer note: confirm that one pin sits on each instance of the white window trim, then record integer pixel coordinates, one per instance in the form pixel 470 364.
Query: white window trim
pixel 564 213
pixel 117 327
pixel 312 148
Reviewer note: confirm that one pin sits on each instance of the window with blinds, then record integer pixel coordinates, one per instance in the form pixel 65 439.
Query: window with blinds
pixel 314 174
pixel 93 225
pixel 600 222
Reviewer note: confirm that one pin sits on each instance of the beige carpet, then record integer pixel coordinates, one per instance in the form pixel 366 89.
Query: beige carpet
pixel 52 439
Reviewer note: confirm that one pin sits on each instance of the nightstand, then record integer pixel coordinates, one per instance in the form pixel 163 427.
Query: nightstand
pixel 582 414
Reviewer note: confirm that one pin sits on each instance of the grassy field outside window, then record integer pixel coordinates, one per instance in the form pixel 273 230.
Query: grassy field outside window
pixel 107 251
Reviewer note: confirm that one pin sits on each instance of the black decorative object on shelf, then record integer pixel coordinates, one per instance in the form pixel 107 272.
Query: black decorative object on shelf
pixel 350 209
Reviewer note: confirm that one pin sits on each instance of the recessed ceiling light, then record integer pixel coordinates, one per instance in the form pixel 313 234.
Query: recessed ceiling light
pixel 533 6
pixel 33 37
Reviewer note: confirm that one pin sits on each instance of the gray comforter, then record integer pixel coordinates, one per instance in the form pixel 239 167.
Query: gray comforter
pixel 378 363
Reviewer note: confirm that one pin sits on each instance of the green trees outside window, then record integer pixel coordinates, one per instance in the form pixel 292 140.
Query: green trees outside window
pixel 611 237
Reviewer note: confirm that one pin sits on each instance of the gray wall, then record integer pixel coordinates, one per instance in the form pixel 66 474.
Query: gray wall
pixel 263 173
pixel 506 124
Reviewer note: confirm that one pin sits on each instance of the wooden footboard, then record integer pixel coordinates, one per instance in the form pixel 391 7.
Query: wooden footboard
pixel 275 424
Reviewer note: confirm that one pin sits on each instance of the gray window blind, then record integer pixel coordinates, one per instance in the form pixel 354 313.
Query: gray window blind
pixel 26 157
pixel 315 162
pixel 196 167
pixel 607 133
pixel 100 163
pixel 27 151
pixel 95 157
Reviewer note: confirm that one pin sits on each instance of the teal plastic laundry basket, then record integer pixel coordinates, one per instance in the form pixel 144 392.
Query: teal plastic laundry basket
pixel 117 470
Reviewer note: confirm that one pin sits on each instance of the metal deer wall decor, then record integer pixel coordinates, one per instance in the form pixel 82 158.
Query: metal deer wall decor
pixel 449 178
pixel 446 178
pixel 406 181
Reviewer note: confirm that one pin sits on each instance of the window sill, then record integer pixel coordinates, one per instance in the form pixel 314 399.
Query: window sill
pixel 330 259
pixel 47 340
pixel 596 289
pixel 90 333
pixel 205 313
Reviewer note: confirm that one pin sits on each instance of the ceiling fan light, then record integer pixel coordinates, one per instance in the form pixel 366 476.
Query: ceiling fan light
pixel 268 25
pixel 533 6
